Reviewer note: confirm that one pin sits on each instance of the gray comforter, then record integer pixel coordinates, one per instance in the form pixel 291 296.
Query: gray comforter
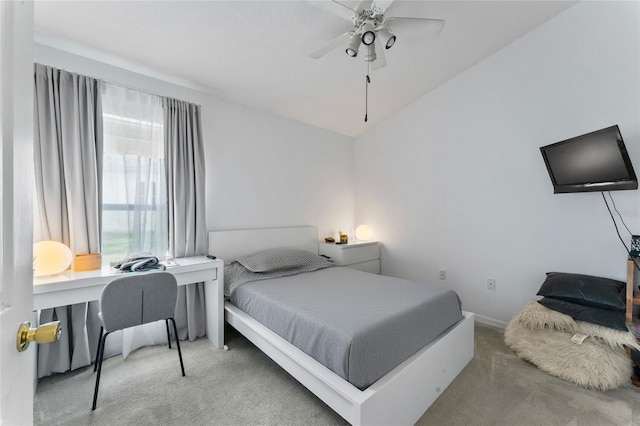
pixel 358 325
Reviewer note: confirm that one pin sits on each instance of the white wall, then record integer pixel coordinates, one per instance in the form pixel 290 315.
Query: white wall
pixel 456 181
pixel 262 170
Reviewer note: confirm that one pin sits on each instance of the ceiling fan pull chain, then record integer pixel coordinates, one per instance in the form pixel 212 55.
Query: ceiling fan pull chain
pixel 366 98
pixel 366 94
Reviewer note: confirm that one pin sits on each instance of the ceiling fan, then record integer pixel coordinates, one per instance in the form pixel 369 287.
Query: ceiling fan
pixel 371 27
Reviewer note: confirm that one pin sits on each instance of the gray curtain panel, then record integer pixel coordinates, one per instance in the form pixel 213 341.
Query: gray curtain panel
pixel 184 160
pixel 68 167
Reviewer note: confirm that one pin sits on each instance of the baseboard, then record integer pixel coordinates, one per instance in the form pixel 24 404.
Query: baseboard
pixel 490 321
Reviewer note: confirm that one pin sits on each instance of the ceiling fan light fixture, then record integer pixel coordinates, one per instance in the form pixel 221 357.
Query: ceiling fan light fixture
pixel 368 35
pixel 354 45
pixel 371 53
pixel 387 38
pixel 368 38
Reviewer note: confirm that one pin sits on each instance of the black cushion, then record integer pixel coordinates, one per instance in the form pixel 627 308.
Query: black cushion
pixel 585 290
pixel 603 317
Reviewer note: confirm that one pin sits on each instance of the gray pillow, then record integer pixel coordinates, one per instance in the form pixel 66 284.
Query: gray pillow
pixel 587 290
pixel 277 259
pixel 603 317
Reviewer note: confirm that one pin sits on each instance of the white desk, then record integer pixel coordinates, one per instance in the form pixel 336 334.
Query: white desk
pixel 77 287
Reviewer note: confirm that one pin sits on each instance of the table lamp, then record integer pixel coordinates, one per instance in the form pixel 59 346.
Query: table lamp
pixel 50 258
pixel 363 233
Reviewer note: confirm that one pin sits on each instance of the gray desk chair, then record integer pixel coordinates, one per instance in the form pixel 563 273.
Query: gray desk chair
pixel 132 300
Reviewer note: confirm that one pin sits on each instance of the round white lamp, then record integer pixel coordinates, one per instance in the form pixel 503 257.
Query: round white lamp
pixel 50 258
pixel 363 233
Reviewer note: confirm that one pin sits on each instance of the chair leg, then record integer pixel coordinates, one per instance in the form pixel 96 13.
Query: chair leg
pixel 175 330
pixel 99 363
pixel 95 365
pixel 166 322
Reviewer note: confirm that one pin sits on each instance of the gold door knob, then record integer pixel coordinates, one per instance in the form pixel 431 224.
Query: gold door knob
pixel 45 333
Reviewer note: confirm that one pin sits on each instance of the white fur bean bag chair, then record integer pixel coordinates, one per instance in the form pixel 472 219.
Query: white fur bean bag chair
pixel 542 337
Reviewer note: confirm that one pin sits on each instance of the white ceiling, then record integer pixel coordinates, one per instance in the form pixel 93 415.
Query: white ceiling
pixel 256 52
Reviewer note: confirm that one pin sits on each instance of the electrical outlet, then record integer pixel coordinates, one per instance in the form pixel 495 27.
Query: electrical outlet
pixel 443 274
pixel 491 284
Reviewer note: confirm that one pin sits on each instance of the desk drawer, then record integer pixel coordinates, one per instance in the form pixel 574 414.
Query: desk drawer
pixel 191 277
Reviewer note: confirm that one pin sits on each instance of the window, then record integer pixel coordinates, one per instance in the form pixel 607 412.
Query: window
pixel 134 200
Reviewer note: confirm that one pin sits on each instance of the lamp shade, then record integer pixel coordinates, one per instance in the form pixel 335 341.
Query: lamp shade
pixel 363 233
pixel 50 258
pixel 354 44
pixel 368 35
pixel 387 38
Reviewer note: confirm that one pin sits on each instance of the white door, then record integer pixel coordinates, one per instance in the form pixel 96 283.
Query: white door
pixel 16 223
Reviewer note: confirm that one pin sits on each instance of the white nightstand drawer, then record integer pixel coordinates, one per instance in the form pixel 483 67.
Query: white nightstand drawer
pixel 347 254
pixel 372 266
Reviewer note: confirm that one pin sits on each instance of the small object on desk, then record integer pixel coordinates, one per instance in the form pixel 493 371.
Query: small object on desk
pixel 329 240
pixel 170 261
pixel 212 257
pixel 139 262
pixel 343 238
pixel 87 262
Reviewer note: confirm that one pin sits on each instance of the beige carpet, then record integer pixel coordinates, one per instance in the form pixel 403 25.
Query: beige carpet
pixel 243 387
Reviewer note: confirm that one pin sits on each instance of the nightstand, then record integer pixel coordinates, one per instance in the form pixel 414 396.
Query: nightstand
pixel 364 256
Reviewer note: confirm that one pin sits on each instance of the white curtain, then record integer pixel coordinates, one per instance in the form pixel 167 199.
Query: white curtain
pixel 134 201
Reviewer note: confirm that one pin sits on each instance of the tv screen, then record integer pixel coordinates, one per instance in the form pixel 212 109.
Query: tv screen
pixel 597 161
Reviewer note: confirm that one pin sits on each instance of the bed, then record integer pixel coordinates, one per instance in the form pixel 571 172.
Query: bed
pixel 400 396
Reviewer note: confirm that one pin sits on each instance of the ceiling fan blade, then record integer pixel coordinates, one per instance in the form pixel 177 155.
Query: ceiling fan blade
pixel 364 5
pixel 419 26
pixel 383 4
pixel 380 61
pixel 334 8
pixel 341 39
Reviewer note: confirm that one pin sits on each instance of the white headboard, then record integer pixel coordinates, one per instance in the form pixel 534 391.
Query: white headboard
pixel 228 245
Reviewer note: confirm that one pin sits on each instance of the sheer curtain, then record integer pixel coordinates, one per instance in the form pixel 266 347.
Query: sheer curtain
pixel 134 201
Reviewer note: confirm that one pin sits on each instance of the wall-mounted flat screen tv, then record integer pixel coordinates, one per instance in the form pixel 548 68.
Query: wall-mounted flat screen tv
pixel 597 161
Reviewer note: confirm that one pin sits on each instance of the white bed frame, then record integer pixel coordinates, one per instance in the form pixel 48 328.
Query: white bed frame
pixel 400 397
